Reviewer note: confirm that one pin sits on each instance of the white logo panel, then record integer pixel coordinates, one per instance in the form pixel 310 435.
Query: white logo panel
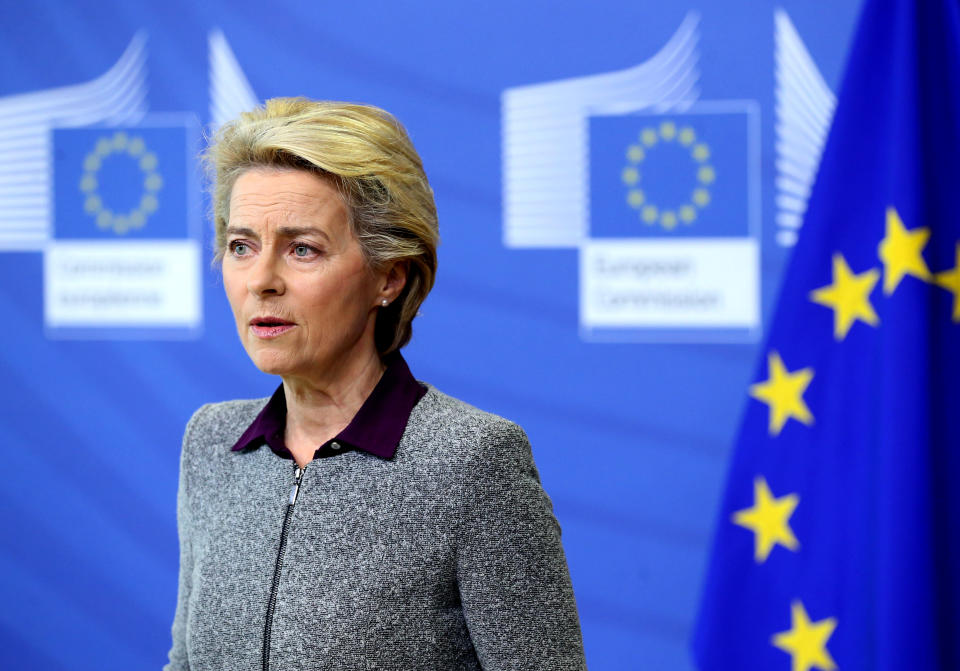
pixel 153 283
pixel 682 283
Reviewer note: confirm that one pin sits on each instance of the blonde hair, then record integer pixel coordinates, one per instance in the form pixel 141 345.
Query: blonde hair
pixel 367 153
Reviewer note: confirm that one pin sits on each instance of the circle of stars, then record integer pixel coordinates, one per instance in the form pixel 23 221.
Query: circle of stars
pixel 134 148
pixel 650 213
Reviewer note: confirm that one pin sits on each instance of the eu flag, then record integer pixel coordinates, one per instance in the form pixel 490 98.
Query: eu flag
pixel 838 541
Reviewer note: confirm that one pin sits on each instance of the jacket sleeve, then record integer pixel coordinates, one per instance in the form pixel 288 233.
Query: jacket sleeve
pixel 511 571
pixel 178 651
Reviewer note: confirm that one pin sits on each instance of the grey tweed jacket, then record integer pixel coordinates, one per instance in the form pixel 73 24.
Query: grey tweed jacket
pixel 445 557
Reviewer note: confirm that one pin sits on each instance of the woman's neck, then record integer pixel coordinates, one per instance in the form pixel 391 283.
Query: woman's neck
pixel 321 406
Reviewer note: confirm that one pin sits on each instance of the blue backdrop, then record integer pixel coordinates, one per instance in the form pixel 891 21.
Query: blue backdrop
pixel 631 431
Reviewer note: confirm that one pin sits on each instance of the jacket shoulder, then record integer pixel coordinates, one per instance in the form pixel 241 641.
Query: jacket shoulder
pixel 220 424
pixel 451 428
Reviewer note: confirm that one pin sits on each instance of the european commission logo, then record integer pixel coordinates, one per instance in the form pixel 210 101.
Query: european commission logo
pixel 659 191
pixel 672 250
pixel 109 195
pixel 123 253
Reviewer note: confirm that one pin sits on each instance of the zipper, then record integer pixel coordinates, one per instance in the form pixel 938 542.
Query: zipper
pixel 272 603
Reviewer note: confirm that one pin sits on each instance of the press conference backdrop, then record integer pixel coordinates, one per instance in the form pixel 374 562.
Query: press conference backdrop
pixel 619 185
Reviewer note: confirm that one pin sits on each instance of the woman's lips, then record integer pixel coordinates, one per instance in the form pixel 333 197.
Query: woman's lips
pixel 270 328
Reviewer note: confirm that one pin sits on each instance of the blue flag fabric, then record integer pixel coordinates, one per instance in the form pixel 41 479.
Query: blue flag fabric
pixel 838 541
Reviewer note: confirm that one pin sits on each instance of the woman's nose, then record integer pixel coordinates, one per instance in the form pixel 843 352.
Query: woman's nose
pixel 264 277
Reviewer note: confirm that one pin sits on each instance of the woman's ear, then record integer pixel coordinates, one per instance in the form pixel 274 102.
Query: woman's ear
pixel 394 280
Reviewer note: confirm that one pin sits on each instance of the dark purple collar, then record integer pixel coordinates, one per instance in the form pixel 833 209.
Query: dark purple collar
pixel 376 428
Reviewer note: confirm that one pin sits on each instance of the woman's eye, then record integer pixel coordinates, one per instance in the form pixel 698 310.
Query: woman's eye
pixel 303 251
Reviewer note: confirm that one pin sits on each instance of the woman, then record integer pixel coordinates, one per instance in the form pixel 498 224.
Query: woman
pixel 357 519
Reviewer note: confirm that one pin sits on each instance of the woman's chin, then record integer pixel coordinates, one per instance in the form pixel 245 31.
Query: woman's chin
pixel 271 364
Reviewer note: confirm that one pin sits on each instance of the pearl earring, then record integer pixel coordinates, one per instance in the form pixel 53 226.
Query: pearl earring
pixel 384 302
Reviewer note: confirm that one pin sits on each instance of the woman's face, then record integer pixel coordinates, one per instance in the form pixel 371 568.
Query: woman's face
pixel 302 294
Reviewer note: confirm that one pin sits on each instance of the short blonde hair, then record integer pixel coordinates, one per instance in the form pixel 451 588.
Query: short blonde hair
pixel 367 153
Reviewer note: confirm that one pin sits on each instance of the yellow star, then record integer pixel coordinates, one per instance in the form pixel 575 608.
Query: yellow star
pixel 783 392
pixel 901 252
pixel 848 296
pixel 806 641
pixel 768 520
pixel 950 279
